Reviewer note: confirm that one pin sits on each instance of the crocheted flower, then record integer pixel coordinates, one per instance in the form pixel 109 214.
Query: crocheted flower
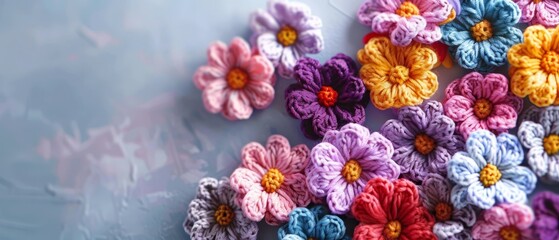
pixel 489 172
pixel 235 81
pixel 285 33
pixel 213 213
pixel 542 139
pixel 477 102
pixel 505 221
pixel 544 12
pixel 270 182
pixel 405 21
pixel 326 97
pixel 546 210
pixel 450 222
pixel 481 35
pixel 314 223
pixel 423 139
pixel 343 163
pixel 391 210
pixel 397 76
pixel 535 66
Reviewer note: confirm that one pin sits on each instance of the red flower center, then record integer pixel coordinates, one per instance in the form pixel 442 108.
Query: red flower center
pixel 424 144
pixel 443 211
pixel 327 96
pixel 509 233
pixel 483 108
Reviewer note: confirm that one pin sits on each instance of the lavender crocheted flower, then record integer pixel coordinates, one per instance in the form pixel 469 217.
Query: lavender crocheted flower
pixel 343 163
pixel 424 140
pixel 546 211
pixel 285 33
pixel 544 12
pixel 213 214
pixel 326 97
pixel 451 222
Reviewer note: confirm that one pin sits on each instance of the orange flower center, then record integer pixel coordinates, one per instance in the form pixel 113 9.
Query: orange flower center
pixel 237 78
pixel 482 31
pixel 327 96
pixel 509 233
pixel 537 1
pixel 272 180
pixel 550 62
pixel 551 144
pixel 489 175
pixel 398 74
pixel 224 215
pixel 407 9
pixel 450 17
pixel 483 108
pixel 287 36
pixel 392 230
pixel 351 171
pixel 443 211
pixel 424 144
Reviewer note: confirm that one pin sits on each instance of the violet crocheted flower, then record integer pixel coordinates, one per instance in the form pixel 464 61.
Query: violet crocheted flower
pixel 270 182
pixel 344 161
pixel 407 20
pixel 546 210
pixel 450 222
pixel 477 102
pixel 541 137
pixel 544 12
pixel 424 140
pixel 489 172
pixel 285 33
pixel 213 213
pixel 313 223
pixel 505 221
pixel 235 81
pixel 326 97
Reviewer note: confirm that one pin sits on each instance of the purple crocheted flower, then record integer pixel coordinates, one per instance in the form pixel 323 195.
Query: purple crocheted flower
pixel 451 222
pixel 285 33
pixel 326 97
pixel 546 211
pixel 544 12
pixel 424 140
pixel 343 163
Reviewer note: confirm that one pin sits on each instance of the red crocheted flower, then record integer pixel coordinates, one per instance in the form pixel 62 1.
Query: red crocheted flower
pixel 391 210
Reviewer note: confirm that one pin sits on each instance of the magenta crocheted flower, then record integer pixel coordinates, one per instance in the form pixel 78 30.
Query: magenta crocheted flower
pixel 344 161
pixel 235 81
pixel 476 102
pixel 270 182
pixel 424 140
pixel 546 210
pixel 326 97
pixel 285 33
pixel 505 221
pixel 406 20
pixel 544 12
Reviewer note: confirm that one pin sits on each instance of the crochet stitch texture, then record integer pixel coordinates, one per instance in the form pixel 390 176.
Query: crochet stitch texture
pixel 546 210
pixel 544 12
pixel 313 223
pixel 505 221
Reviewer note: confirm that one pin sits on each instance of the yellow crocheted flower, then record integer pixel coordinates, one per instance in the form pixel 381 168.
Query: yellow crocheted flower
pixel 535 66
pixel 397 76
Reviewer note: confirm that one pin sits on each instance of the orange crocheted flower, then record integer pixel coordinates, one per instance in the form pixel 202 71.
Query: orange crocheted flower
pixel 535 66
pixel 397 76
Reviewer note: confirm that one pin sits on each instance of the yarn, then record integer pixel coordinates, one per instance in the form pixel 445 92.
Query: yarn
pixel 504 221
pixel 314 223
pixel 270 182
pixel 542 12
pixel 327 96
pixel 286 32
pixel 344 161
pixel 235 81
pixel 546 210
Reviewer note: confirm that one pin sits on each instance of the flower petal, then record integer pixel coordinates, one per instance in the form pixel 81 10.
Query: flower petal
pixel 496 17
pixel 237 107
pixel 546 94
pixel 215 95
pixel 243 180
pixel 546 13
pixel 507 192
pixel 337 70
pixel 459 196
pixel 280 206
pixel 240 52
pixel 463 170
pixel 538 160
pixel 260 94
pixel 288 60
pixel 468 54
pixel 323 120
pixel 255 158
pixel 459 108
pixel 448 229
pixel 206 75
pixel 307 73
pixel 368 209
pixel 429 35
pixel 300 103
pixel 260 69
pixel 261 21
pixel 310 41
pixel 295 188
pixel 269 47
pixel 368 231
pixel 330 227
pixel 481 196
pixel 406 30
pixel 301 220
pixel 218 56
pixel 481 146
pixel 369 9
pixel 397 133
pixel 522 177
pixel 509 152
pixel 254 204
pixel 341 197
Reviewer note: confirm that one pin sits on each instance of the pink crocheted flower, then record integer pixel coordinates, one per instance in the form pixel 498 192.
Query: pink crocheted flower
pixel 235 81
pixel 477 102
pixel 270 182
pixel 505 221
pixel 406 20
pixel 544 12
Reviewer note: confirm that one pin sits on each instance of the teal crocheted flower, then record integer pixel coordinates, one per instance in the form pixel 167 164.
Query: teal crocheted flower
pixel 489 172
pixel 481 35
pixel 313 223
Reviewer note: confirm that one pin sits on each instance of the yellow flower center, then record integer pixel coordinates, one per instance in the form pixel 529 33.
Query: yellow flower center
pixel 551 144
pixel 224 215
pixel 550 62
pixel 351 171
pixel 392 230
pixel 398 74
pixel 482 31
pixel 237 78
pixel 287 36
pixel 483 108
pixel 407 9
pixel 509 233
pixel 424 144
pixel 327 96
pixel 272 180
pixel 443 211
pixel 489 175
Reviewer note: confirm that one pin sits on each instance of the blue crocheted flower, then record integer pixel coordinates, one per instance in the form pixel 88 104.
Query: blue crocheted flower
pixel 313 223
pixel 481 35
pixel 489 172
